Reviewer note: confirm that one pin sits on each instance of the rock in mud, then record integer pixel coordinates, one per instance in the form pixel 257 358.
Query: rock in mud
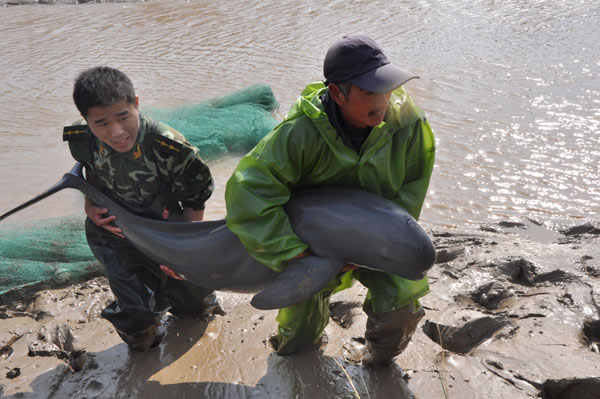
pixel 586 228
pixel 14 373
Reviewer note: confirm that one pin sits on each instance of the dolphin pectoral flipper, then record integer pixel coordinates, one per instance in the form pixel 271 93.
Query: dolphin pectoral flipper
pixel 303 278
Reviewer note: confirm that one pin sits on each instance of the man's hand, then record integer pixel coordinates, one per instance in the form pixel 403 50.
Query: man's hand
pixel 95 213
pixel 349 266
pixel 302 255
pixel 171 273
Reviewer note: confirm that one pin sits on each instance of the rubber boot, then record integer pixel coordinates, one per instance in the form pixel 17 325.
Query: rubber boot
pixel 388 333
pixel 196 306
pixel 301 326
pixel 143 340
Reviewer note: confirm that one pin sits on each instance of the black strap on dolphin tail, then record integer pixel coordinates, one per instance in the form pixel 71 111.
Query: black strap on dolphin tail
pixel 302 279
pixel 69 180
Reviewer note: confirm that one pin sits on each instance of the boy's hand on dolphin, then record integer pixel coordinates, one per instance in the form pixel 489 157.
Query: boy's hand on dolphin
pixel 95 213
pixel 171 273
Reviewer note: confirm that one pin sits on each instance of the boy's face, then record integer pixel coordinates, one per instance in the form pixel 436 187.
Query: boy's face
pixel 116 125
pixel 363 108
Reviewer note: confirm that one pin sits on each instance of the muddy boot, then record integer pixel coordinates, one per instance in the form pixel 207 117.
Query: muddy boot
pixel 301 326
pixel 209 308
pixel 389 333
pixel 319 346
pixel 143 340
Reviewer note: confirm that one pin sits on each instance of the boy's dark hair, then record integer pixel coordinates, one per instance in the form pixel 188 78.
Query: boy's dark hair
pixel 101 86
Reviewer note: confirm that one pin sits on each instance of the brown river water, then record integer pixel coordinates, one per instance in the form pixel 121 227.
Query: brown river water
pixel 511 88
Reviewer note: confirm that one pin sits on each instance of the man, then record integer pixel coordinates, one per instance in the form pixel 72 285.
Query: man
pixel 359 129
pixel 151 170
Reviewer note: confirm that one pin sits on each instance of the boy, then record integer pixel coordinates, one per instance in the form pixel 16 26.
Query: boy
pixel 151 170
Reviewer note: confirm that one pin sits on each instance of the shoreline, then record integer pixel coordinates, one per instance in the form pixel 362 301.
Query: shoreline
pixel 515 307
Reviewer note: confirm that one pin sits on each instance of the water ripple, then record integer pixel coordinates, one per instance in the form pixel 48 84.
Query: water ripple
pixel 511 88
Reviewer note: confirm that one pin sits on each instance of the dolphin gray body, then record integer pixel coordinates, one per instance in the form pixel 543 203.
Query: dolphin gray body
pixel 340 226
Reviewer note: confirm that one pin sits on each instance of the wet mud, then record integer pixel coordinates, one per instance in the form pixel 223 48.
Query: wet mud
pixel 508 316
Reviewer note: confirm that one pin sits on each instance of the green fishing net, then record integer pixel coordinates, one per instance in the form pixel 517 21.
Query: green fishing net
pixel 228 125
pixel 52 251
pixel 56 250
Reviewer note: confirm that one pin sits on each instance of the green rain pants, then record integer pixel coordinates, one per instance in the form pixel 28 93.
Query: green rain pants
pixel 301 325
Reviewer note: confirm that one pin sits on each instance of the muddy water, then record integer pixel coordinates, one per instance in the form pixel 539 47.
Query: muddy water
pixel 511 88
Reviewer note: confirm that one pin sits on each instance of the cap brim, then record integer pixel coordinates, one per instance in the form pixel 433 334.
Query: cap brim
pixel 383 79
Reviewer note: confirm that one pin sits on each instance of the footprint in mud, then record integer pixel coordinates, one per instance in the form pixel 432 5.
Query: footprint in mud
pixel 591 270
pixel 571 388
pixel 448 254
pixel 520 271
pixel 491 295
pixel 523 272
pixel 59 343
pixel 353 351
pixel 463 339
pixel 591 334
pixel 343 312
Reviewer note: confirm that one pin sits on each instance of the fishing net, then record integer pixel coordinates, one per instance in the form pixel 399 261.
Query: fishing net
pixel 228 125
pixel 51 251
pixel 55 250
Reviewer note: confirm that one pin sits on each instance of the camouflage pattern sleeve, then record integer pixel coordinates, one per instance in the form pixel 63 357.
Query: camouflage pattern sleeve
pixel 182 167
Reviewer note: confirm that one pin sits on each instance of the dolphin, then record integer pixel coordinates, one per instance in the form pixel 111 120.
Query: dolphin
pixel 340 226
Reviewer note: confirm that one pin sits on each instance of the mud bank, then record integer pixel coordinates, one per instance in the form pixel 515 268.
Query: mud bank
pixel 514 312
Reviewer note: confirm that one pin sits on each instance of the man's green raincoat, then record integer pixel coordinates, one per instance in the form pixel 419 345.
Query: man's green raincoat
pixel 395 162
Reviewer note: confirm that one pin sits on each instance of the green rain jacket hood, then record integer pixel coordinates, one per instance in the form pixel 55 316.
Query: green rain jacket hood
pixel 304 150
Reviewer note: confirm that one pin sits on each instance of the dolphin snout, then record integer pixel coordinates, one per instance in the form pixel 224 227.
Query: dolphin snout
pixel 425 253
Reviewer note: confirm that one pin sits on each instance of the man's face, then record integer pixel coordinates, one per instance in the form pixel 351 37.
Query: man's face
pixel 363 108
pixel 116 125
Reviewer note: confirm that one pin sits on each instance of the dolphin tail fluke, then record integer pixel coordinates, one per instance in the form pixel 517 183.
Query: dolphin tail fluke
pixel 302 279
pixel 65 182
